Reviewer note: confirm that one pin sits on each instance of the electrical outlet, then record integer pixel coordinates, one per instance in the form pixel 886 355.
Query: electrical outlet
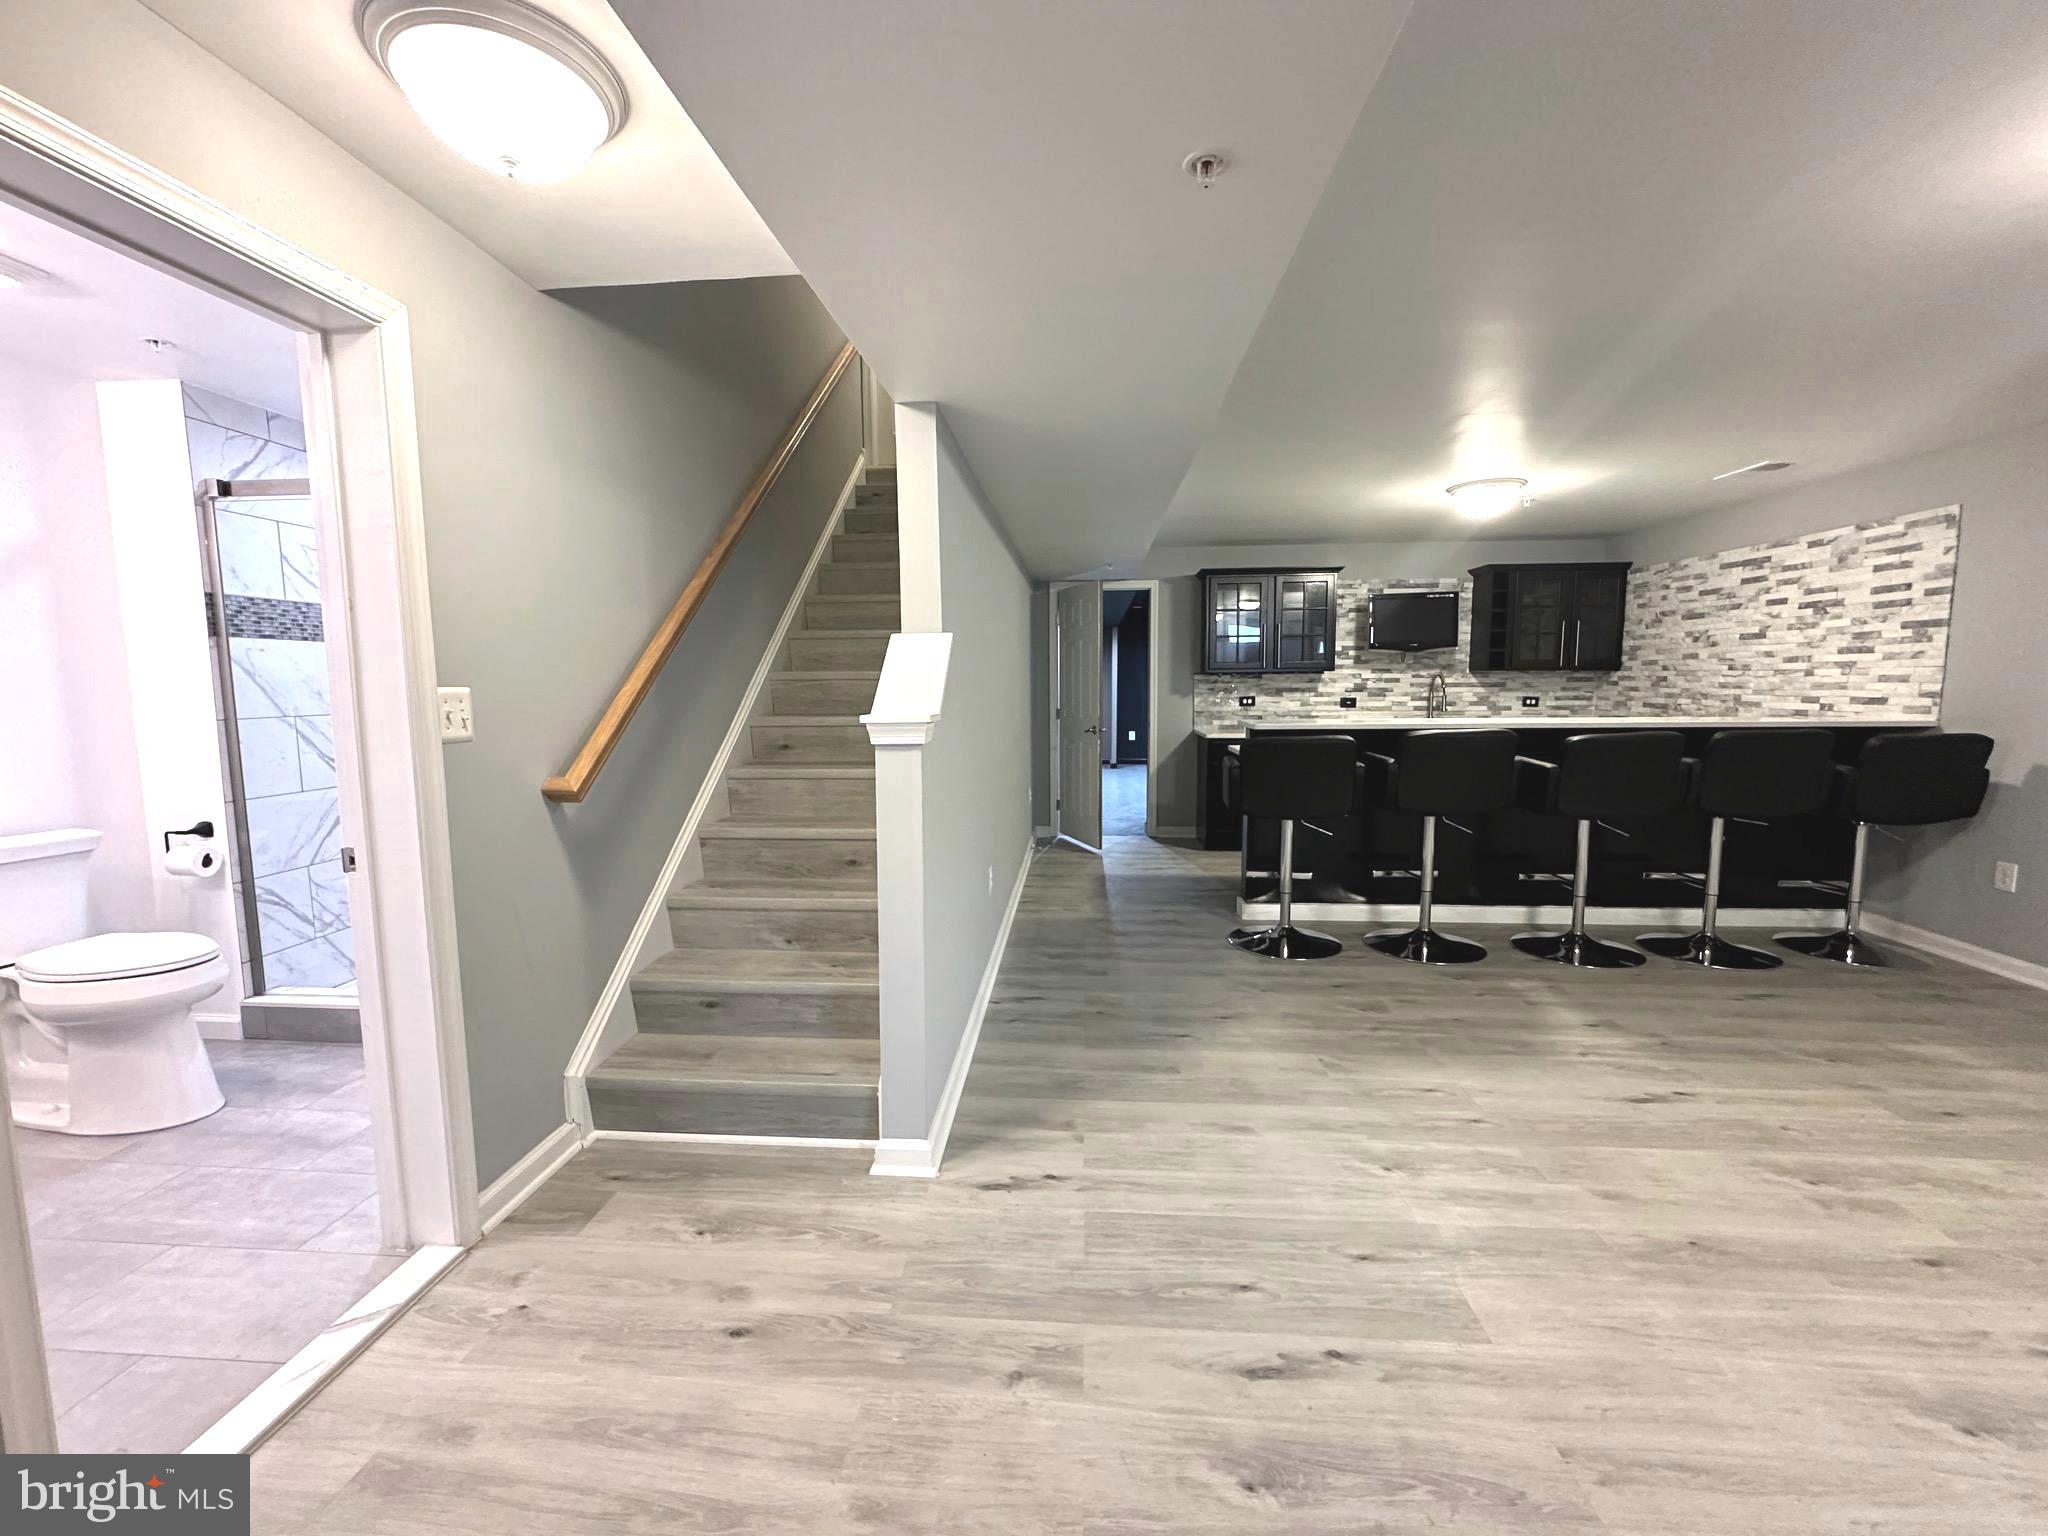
pixel 2006 876
pixel 1130 735
pixel 991 879
pixel 458 722
pixel 1347 702
pixel 1531 700
pixel 1247 700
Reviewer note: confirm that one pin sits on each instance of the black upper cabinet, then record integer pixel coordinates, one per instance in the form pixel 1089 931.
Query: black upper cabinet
pixel 1269 619
pixel 1599 599
pixel 1548 618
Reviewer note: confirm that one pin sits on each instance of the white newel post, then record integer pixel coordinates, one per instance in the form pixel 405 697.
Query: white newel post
pixel 901 726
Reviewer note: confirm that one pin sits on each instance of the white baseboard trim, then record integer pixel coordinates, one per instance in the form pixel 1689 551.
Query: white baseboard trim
pixel 279 1395
pixel 1451 914
pixel 509 1190
pixel 2011 967
pixel 906 1157
pixel 218 1026
pixel 722 1139
pixel 606 1027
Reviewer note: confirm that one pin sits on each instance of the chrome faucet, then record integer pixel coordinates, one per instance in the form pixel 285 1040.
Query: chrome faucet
pixel 1439 702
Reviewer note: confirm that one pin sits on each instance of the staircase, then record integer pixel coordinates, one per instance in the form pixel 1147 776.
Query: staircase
pixel 764 1020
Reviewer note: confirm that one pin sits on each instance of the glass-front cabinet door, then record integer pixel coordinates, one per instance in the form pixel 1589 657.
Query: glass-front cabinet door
pixel 1239 608
pixel 1268 620
pixel 1540 603
pixel 1597 599
pixel 1305 610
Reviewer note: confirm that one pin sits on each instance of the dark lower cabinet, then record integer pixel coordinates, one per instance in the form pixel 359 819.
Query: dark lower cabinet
pixel 1269 620
pixel 1548 618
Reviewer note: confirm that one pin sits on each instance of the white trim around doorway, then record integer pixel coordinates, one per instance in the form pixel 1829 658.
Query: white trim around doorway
pixel 356 376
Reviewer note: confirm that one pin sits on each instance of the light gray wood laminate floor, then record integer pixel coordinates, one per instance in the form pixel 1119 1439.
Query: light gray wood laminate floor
pixel 1228 1246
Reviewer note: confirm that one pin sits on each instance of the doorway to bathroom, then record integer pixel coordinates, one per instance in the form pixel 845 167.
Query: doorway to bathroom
pixel 222 826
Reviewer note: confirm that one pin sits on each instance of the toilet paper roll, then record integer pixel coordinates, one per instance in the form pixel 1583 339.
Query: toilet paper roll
pixel 194 860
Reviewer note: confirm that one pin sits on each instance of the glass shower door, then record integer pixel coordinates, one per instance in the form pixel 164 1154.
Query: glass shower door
pixel 277 739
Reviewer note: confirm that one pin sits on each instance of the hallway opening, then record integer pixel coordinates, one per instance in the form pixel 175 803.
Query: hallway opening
pixel 1128 673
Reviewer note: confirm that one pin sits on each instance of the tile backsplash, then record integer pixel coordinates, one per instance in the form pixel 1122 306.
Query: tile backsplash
pixel 1847 623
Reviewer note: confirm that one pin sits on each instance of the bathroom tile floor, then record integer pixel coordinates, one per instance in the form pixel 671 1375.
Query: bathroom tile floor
pixel 176 1270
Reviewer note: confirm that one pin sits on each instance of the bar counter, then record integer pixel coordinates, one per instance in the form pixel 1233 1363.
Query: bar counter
pixel 1488 863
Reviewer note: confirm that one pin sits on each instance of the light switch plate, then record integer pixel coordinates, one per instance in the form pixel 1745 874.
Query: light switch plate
pixel 2005 876
pixel 458 723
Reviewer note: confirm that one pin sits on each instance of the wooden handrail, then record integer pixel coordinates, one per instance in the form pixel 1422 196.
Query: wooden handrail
pixel 573 782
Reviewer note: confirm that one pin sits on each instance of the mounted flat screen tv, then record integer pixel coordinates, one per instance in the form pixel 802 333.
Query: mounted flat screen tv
pixel 1411 621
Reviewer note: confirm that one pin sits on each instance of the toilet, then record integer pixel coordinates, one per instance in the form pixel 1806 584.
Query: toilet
pixel 96 1029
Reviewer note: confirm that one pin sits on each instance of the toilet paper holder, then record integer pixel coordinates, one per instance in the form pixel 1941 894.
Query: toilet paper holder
pixel 197 829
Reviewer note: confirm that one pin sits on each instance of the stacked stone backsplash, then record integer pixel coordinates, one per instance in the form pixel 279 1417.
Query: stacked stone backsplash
pixel 1848 623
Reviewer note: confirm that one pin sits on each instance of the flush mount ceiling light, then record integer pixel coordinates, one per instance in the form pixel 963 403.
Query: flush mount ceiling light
pixel 19 274
pixel 505 86
pixel 1760 467
pixel 1479 499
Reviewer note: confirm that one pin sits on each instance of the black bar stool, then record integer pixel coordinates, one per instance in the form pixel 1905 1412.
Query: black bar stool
pixel 1595 777
pixel 1443 773
pixel 1751 776
pixel 1293 778
pixel 1899 779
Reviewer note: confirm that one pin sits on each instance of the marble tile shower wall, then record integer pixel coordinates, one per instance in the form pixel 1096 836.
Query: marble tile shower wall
pixel 270 570
pixel 1847 623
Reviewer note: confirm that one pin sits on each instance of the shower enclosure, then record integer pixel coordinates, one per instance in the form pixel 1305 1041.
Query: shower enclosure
pixel 277 745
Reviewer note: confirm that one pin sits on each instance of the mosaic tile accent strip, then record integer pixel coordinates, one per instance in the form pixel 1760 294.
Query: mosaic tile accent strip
pixel 273 618
pixel 1849 623
pixel 267 618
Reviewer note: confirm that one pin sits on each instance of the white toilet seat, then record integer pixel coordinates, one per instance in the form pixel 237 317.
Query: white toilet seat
pixel 116 957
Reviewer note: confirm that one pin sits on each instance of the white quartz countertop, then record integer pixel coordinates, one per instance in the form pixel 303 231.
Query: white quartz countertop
pixel 1366 720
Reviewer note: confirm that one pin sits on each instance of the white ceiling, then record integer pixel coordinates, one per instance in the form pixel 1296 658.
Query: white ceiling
pixel 653 205
pixel 1615 247
pixel 89 321
pixel 988 197
pixel 1620 248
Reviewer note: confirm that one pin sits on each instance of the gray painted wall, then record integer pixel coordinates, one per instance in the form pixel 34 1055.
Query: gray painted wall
pixel 1940 877
pixel 1179 617
pixel 572 473
pixel 977 774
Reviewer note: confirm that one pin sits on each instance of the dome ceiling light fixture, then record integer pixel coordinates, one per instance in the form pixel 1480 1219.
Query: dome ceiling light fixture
pixel 1481 499
pixel 506 86
pixel 1760 467
pixel 19 274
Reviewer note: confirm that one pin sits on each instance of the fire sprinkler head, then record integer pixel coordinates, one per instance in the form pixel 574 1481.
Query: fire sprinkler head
pixel 1205 166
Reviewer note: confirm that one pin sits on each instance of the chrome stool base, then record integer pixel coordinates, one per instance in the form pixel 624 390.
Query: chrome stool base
pixel 1842 947
pixel 1425 946
pixel 1581 950
pixel 1286 942
pixel 1709 950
